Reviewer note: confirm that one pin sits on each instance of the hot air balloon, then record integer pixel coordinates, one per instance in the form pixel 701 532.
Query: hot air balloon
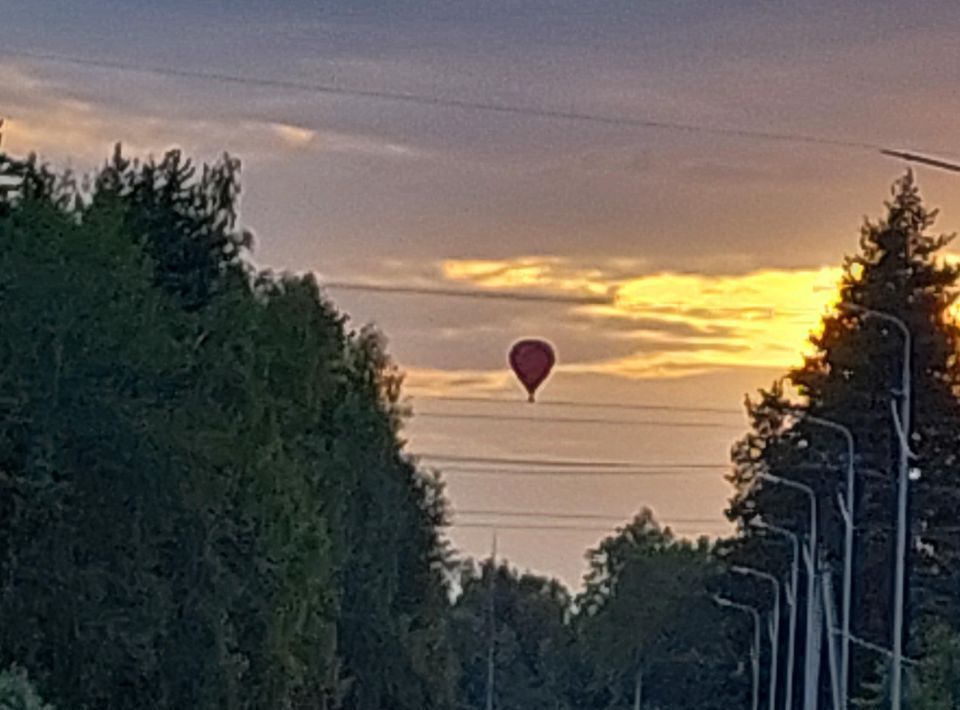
pixel 532 360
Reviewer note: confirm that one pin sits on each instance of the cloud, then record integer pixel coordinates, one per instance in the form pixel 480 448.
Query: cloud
pixel 433 381
pixel 553 274
pixel 294 136
pixel 48 117
pixel 658 325
pixel 327 141
pixel 679 324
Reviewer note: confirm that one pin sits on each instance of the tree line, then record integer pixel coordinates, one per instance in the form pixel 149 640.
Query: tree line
pixel 205 499
pixel 204 495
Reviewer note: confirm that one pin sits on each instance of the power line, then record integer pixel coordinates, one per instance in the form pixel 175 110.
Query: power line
pixel 464 293
pixel 533 515
pixel 573 420
pixel 489 512
pixel 508 526
pixel 922 159
pixel 436 101
pixel 488 294
pixel 557 527
pixel 562 463
pixel 526 472
pixel 579 404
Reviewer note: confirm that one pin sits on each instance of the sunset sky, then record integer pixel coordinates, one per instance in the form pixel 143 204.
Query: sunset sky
pixel 715 254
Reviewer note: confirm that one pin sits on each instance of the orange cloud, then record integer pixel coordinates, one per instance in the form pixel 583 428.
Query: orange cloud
pixel 759 319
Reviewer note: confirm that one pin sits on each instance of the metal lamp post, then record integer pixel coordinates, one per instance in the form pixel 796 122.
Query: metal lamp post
pixel 810 672
pixel 791 594
pixel 774 625
pixel 755 649
pixel 847 510
pixel 902 422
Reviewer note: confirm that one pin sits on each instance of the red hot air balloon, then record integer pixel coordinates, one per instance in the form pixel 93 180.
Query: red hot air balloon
pixel 532 361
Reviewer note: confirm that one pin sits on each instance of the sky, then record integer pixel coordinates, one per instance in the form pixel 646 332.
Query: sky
pixel 715 253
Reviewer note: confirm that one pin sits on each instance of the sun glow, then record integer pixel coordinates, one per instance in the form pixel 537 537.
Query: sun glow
pixel 682 323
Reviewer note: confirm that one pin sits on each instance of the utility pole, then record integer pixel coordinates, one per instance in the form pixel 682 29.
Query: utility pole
pixel 491 624
pixel 901 420
pixel 638 690
pixel 774 627
pixel 829 617
pixel 812 653
pixel 849 525
pixel 812 687
pixel 754 648
pixel 791 594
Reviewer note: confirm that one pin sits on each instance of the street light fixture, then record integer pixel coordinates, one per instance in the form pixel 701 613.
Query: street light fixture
pixel 791 594
pixel 849 523
pixel 901 420
pixel 774 625
pixel 754 650
pixel 811 668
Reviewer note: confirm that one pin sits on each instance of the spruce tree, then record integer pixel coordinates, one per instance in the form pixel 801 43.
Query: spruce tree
pixel 852 378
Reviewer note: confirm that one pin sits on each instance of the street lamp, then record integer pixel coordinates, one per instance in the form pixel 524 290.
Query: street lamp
pixel 754 650
pixel 774 625
pixel 847 511
pixel 902 422
pixel 791 594
pixel 811 667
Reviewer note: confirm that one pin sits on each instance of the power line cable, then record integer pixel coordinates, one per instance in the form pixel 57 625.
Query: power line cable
pixel 561 527
pixel 625 519
pixel 573 420
pixel 437 101
pixel 486 106
pixel 584 474
pixel 922 159
pixel 509 526
pixel 488 294
pixel 577 404
pixel 465 293
pixel 562 463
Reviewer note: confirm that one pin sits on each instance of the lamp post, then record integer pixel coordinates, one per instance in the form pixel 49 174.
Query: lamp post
pixel 810 671
pixel 774 625
pixel 901 420
pixel 849 524
pixel 492 621
pixel 755 649
pixel 791 594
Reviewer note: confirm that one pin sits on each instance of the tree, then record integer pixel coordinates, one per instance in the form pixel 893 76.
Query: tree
pixel 851 379
pixel 532 639
pixel 649 625
pixel 18 693
pixel 392 566
pixel 936 679
pixel 191 455
pixel 186 222
pixel 932 679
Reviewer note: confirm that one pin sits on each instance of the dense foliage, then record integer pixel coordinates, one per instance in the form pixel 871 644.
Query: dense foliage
pixel 651 627
pixel 205 502
pixel 644 632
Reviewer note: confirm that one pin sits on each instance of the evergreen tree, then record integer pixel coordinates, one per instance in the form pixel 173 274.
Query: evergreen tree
pixel 852 378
